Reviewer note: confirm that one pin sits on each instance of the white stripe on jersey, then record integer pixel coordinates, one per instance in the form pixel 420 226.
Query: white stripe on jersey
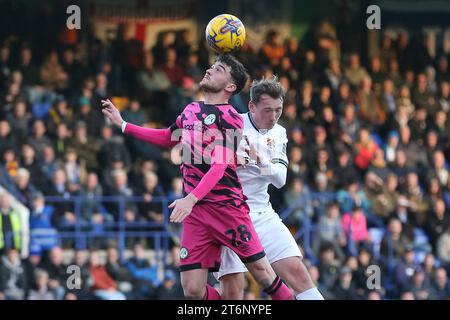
pixel 272 145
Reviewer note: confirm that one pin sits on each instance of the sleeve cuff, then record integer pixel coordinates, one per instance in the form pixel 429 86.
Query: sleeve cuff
pixel 124 124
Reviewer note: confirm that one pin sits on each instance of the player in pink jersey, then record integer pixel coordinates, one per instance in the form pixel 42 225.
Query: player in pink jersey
pixel 214 211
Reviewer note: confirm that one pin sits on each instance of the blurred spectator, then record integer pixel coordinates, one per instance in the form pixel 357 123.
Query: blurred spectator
pixel 42 291
pixel 394 241
pixel 62 140
pixel 405 269
pixel 13 282
pixel 19 120
pixel 443 248
pixel 441 284
pixel 344 288
pixel 11 226
pixel 144 275
pixel 49 164
pixel 329 230
pixel 75 170
pixel 112 149
pixel 7 138
pixel 354 224
pixel 354 72
pixel 119 272
pixel 42 221
pixel 30 162
pixel 23 186
pixel 86 146
pixel 298 197
pixel 328 266
pixel 103 286
pixel 169 289
pixel 56 269
pixel 418 286
pixel 438 222
pixel 52 73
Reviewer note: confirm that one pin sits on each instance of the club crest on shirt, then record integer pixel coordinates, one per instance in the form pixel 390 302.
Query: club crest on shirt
pixel 270 143
pixel 209 119
pixel 183 253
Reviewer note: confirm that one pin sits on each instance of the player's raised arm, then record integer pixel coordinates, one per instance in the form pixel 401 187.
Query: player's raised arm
pixel 273 165
pixel 159 137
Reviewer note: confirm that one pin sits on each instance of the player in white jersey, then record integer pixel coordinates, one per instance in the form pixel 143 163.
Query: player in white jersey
pixel 265 162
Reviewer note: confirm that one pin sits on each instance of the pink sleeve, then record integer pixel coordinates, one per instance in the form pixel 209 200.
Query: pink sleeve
pixel 159 137
pixel 221 158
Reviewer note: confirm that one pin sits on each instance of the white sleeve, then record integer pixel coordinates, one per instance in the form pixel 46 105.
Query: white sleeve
pixel 124 124
pixel 275 168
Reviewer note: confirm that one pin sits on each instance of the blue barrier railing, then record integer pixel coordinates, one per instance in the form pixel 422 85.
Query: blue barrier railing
pixel 119 228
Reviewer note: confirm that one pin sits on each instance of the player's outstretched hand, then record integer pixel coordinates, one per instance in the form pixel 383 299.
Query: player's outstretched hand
pixel 111 112
pixel 182 208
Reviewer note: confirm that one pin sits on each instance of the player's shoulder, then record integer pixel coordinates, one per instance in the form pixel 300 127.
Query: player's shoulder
pixel 279 130
pixel 229 117
pixel 193 105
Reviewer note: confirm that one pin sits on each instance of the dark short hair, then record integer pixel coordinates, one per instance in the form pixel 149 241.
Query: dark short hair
pixel 272 87
pixel 238 72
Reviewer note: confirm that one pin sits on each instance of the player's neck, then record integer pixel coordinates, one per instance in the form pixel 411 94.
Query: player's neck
pixel 215 98
pixel 258 126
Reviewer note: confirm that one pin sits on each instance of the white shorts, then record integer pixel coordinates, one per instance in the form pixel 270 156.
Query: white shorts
pixel 275 237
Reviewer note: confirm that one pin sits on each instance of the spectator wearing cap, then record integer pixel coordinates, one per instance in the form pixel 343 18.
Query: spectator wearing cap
pixel 391 146
pixel 169 289
pixel 345 288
